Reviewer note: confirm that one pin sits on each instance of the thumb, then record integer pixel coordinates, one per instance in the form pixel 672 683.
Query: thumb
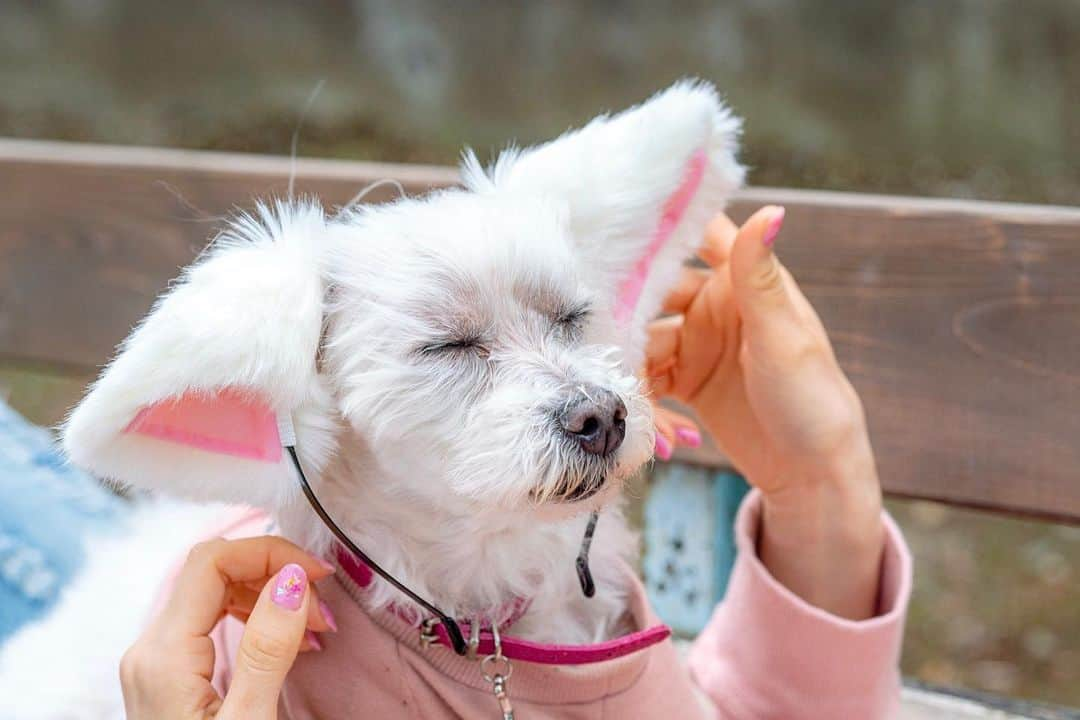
pixel 756 275
pixel 268 647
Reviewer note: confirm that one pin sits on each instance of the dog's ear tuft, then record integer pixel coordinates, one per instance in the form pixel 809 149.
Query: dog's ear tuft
pixel 190 403
pixel 639 188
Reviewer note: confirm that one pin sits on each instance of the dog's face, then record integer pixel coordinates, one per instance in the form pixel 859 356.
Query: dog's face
pixel 482 342
pixel 476 352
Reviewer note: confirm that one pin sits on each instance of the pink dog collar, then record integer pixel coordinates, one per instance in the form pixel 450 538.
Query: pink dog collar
pixel 518 648
pixel 551 654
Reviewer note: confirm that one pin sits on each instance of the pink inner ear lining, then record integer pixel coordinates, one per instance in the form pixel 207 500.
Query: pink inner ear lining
pixel 674 209
pixel 229 421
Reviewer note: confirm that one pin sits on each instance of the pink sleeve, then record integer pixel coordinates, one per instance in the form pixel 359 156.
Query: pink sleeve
pixel 766 653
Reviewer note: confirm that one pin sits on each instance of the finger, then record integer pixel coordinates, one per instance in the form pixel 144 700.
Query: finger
pixel 665 439
pixel 714 251
pixel 662 348
pixel 272 638
pixel 803 309
pixel 756 275
pixel 684 431
pixel 719 236
pixel 213 566
pixel 311 640
pixel 685 290
pixel 241 600
pixel 240 614
pixel 661 381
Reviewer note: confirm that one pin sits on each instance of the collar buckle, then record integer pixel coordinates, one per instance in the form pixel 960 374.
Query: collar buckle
pixel 427 632
pixel 474 640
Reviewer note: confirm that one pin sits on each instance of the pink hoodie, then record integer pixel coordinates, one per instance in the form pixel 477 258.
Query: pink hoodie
pixel 764 654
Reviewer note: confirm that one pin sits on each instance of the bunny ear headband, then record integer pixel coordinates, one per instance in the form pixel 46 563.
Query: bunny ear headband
pixel 201 397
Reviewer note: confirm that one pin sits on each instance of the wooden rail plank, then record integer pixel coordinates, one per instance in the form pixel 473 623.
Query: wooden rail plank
pixel 958 321
pixel 90 235
pixel 920 701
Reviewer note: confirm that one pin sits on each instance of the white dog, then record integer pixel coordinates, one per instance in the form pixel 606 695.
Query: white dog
pixel 459 369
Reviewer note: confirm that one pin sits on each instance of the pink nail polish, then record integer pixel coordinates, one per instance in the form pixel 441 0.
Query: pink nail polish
pixel 663 449
pixel 773 228
pixel 689 436
pixel 289 587
pixel 327 615
pixel 313 640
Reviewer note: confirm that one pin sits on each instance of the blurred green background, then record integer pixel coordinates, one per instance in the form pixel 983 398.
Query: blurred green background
pixel 952 98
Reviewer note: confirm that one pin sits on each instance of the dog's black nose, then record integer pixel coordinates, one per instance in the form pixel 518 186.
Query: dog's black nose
pixel 596 419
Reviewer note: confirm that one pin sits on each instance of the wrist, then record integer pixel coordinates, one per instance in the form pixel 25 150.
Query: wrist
pixel 835 499
pixel 822 536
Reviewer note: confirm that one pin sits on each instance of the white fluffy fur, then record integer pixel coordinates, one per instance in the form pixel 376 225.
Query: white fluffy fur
pixel 612 174
pixel 65 666
pixel 433 460
pixel 247 315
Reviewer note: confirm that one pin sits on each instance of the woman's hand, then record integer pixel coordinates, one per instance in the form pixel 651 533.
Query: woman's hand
pixel 673 430
pixel 166 674
pixel 748 353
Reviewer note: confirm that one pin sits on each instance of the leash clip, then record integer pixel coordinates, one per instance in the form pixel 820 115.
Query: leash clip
pixel 500 681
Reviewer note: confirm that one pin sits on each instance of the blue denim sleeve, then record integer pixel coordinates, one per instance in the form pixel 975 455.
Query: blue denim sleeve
pixel 48 511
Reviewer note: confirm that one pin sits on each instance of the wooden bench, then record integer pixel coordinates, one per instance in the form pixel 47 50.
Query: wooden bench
pixel 958 322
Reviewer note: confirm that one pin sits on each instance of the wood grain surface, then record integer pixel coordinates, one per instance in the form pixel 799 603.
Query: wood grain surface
pixel 959 322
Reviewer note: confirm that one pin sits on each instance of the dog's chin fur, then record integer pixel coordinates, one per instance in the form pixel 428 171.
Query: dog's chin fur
pixel 469 562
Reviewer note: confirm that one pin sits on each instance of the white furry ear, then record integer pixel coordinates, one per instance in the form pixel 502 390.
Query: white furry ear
pixel 190 403
pixel 639 188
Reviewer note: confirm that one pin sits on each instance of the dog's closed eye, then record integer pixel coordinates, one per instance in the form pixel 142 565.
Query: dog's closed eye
pixel 572 320
pixel 453 346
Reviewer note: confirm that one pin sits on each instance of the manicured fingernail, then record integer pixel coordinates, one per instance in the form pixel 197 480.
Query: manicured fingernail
pixel 313 640
pixel 326 565
pixel 773 228
pixel 327 615
pixel 689 436
pixel 289 587
pixel 663 448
